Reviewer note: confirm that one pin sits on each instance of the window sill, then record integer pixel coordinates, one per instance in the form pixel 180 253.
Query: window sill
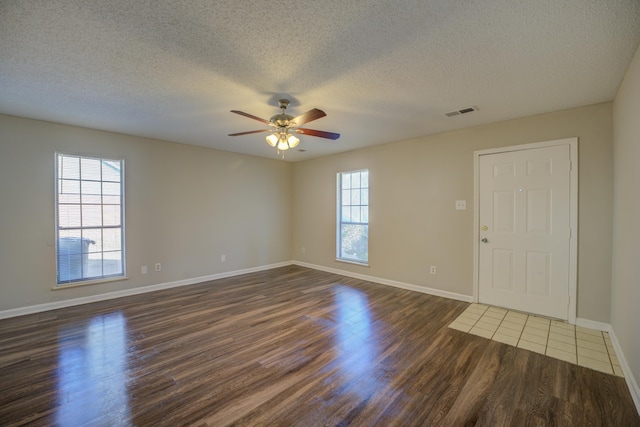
pixel 346 261
pixel 89 282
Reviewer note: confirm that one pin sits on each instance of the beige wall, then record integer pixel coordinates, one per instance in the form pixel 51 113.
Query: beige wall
pixel 625 295
pixel 185 206
pixel 413 188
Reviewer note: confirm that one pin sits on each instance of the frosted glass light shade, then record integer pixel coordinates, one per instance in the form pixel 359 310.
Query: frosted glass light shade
pixel 293 141
pixel 272 139
pixel 282 145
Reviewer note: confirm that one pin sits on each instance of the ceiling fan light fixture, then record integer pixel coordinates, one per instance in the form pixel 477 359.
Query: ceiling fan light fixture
pixel 282 124
pixel 293 141
pixel 282 145
pixel 272 139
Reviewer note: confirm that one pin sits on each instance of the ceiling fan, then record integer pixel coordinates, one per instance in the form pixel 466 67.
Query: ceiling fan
pixel 283 126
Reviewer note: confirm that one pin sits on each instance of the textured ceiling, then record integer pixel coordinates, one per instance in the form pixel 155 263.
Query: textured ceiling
pixel 383 71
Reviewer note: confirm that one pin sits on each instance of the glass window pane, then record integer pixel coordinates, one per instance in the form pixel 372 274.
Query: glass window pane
pixel 354 242
pixel 94 265
pixel 68 186
pixel 91 187
pixel 70 168
pixel 91 215
pixel 94 236
pixel 68 199
pixel 111 239
pixel 355 197
pixel 110 215
pixel 355 180
pixel 355 214
pixel 346 214
pixel 69 216
pixel 364 179
pixel 346 181
pixel 111 200
pixel 73 261
pixel 111 171
pixel 69 245
pixel 364 214
pixel 112 263
pixel 111 188
pixel 91 200
pixel 364 197
pixel 90 169
pixel 70 233
pixel 346 197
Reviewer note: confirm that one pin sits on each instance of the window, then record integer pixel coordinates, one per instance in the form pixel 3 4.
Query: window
pixel 89 218
pixel 353 216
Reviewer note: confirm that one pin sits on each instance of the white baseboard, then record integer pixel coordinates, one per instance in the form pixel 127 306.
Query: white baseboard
pixel 592 324
pixel 394 283
pixel 628 375
pixel 133 291
pixel 632 383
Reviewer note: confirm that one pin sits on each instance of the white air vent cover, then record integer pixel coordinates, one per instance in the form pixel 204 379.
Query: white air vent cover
pixel 461 111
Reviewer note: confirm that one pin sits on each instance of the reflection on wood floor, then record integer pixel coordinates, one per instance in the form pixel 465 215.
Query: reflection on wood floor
pixel 290 347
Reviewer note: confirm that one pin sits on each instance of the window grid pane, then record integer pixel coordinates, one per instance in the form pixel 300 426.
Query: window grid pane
pixel 353 216
pixel 89 210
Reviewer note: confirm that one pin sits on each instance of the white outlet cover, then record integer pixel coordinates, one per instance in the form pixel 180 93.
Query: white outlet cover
pixel 143 269
pixel 461 205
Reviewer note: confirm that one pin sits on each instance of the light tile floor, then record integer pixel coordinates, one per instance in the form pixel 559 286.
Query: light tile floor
pixel 581 346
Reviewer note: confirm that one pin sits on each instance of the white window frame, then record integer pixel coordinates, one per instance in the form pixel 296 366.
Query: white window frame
pixel 360 221
pixel 66 257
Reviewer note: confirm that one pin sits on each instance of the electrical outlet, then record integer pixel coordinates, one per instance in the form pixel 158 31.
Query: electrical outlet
pixel 143 269
pixel 433 269
pixel 223 258
pixel 461 205
pixel 158 266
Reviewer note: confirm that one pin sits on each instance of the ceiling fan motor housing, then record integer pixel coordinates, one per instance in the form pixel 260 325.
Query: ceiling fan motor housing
pixel 283 120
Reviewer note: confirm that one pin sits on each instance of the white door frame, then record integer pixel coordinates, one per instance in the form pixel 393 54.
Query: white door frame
pixel 573 217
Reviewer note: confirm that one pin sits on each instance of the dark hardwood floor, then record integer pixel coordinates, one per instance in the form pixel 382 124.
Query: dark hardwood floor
pixel 287 347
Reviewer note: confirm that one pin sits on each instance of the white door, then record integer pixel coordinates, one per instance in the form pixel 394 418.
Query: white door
pixel 524 219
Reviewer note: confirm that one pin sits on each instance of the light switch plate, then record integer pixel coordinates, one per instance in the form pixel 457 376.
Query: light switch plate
pixel 461 205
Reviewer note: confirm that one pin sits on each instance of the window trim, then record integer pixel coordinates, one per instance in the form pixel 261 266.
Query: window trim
pixel 94 279
pixel 339 222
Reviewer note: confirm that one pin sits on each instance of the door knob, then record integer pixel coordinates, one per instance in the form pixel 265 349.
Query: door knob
pixel 485 240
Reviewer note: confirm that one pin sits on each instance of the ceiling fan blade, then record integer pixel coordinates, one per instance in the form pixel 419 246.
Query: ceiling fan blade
pixel 249 132
pixel 251 116
pixel 319 133
pixel 309 116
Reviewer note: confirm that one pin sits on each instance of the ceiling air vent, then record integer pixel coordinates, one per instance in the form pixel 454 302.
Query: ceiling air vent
pixel 461 111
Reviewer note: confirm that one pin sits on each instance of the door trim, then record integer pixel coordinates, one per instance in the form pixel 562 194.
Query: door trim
pixel 573 216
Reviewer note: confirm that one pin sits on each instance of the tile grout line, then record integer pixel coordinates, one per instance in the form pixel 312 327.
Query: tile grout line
pixel 575 336
pixel 608 353
pixel 548 337
pixel 546 345
pixel 498 327
pixel 522 330
pixel 474 325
